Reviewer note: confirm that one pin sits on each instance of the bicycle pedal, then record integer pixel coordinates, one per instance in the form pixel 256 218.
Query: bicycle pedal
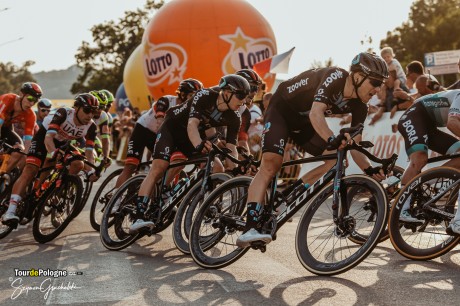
pixel 11 223
pixel 259 245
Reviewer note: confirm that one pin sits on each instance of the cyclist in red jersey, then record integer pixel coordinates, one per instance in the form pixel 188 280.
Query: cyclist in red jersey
pixel 57 130
pixel 18 109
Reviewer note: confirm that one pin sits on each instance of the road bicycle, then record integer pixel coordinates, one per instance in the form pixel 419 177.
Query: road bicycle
pixel 433 198
pixel 115 226
pixel 322 239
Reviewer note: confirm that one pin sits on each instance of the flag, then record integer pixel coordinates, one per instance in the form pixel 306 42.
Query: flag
pixel 276 64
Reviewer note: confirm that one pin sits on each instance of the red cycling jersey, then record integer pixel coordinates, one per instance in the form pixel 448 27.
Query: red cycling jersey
pixel 26 118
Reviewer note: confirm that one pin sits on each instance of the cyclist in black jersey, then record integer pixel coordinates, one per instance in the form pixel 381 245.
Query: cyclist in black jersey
pixel 297 110
pixel 184 130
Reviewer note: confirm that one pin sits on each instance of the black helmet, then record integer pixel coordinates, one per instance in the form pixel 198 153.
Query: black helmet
pixel 33 89
pixel 44 103
pixel 370 64
pixel 86 100
pixel 189 85
pixel 235 83
pixel 250 75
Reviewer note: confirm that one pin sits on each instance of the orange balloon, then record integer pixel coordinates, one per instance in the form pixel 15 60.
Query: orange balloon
pixel 134 81
pixel 205 40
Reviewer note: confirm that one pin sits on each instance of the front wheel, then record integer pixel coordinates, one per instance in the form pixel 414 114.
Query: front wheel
pixel 218 223
pixel 323 246
pixel 56 211
pixel 427 239
pixel 114 230
pixel 102 198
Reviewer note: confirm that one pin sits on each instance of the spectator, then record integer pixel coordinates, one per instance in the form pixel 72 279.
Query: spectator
pixel 413 70
pixel 456 85
pixel 388 56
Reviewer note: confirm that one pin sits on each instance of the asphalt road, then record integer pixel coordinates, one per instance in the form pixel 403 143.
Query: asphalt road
pixel 153 272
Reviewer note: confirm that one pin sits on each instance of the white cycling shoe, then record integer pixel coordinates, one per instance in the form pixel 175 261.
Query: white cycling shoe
pixel 251 236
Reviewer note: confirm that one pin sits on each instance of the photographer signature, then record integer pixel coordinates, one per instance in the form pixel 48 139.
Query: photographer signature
pixel 45 287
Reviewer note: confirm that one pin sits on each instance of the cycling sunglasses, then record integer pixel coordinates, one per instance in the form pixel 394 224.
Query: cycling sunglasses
pixel 32 99
pixel 240 95
pixel 375 82
pixel 89 110
pixel 45 110
pixel 254 88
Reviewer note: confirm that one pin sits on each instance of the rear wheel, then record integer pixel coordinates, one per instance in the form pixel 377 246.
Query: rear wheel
pixel 427 239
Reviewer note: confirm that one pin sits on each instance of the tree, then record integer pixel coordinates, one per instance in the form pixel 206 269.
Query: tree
pixel 103 62
pixel 12 76
pixel 432 26
pixel 318 64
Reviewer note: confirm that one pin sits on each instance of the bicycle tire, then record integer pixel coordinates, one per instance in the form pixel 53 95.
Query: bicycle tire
pixel 186 211
pixel 217 216
pixel 65 212
pixel 322 235
pixel 407 239
pixel 114 228
pixel 397 173
pixel 100 200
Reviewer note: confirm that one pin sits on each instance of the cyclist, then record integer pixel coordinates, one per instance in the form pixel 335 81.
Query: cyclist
pixel 254 81
pixel 147 126
pixel 297 110
pixel 108 105
pixel 102 121
pixel 66 124
pixel 184 129
pixel 43 109
pixel 18 109
pixel 419 128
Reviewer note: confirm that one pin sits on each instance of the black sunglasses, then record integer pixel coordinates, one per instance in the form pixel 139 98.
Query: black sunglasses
pixel 89 110
pixel 44 110
pixel 375 82
pixel 254 88
pixel 240 95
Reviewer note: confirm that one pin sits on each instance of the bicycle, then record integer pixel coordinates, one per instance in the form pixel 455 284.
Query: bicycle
pixel 433 197
pixel 220 220
pixel 104 194
pixel 192 201
pixel 59 196
pixel 6 183
pixel 119 222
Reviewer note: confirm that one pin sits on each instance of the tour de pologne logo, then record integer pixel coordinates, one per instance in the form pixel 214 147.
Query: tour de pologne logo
pixel 245 51
pixel 162 61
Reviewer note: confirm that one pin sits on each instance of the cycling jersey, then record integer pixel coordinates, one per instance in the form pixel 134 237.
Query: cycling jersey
pixel 418 125
pixel 7 118
pixel 288 112
pixel 173 134
pixel 62 123
pixel 149 121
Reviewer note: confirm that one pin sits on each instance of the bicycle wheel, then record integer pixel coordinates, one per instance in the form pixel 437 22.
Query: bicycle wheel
pixel 323 246
pixel 218 223
pixel 428 240
pixel 55 212
pixel 102 198
pixel 114 228
pixel 187 210
pixel 390 184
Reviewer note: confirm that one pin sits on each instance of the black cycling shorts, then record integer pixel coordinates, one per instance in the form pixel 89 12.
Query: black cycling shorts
pixel 140 139
pixel 37 151
pixel 420 133
pixel 170 139
pixel 282 123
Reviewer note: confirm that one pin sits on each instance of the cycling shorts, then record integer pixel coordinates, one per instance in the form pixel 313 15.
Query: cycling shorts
pixel 168 142
pixel 140 139
pixel 37 151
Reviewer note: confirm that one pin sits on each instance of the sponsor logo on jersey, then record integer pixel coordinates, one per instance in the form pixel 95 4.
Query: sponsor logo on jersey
pixel 337 74
pixel 245 51
pixel 162 61
pixel 297 85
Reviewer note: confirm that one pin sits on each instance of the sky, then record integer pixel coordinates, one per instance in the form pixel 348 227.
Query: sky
pixel 49 32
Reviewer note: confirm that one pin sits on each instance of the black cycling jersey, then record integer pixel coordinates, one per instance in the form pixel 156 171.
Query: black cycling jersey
pixel 288 112
pixel 173 134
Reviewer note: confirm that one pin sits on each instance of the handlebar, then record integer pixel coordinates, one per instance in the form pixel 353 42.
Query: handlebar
pixel 70 149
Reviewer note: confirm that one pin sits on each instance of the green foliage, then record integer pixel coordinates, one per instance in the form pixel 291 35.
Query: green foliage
pixel 12 76
pixel 103 61
pixel 433 25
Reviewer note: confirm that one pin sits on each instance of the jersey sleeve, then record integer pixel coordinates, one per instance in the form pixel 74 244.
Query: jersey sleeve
pixel 232 128
pixel 5 106
pixel 330 86
pixel 245 124
pixel 91 135
pixel 454 109
pixel 161 106
pixel 198 106
pixel 59 118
